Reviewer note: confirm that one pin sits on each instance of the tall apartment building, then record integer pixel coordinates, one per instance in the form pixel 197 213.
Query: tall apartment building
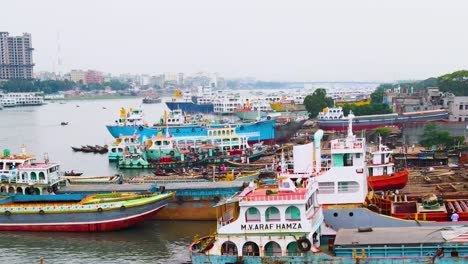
pixel 93 77
pixel 77 75
pixel 16 57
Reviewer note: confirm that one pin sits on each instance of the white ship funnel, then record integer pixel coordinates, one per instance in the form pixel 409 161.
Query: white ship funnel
pixel 318 154
pixel 350 124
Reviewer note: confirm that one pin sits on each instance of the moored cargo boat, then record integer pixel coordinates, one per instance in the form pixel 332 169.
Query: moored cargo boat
pixel 334 119
pixel 79 213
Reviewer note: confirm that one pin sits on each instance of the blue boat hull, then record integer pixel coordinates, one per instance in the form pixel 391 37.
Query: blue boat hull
pixel 190 107
pixel 258 131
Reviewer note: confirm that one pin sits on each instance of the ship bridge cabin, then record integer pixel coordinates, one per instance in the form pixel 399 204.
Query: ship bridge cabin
pixel 381 161
pixel 33 178
pixel 345 181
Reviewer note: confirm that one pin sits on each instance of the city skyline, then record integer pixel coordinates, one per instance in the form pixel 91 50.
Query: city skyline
pixel 301 41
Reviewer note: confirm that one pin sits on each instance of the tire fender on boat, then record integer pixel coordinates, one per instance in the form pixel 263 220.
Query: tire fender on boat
pixel 41 212
pixel 7 213
pixel 304 244
pixel 140 128
pixel 99 210
pixel 122 208
pixel 171 153
pixel 216 199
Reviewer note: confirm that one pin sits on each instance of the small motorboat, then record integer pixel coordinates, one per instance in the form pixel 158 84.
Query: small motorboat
pixel 64 123
pixel 72 173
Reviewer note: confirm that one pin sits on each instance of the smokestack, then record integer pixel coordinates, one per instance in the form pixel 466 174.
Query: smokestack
pixel 318 154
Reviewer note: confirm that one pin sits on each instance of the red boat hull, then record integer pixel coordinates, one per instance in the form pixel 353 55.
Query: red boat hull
pixel 395 181
pixel 98 226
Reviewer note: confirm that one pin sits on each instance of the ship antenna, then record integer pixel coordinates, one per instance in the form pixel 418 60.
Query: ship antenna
pixel 350 124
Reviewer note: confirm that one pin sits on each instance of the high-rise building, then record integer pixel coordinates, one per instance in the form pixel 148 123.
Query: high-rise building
pixel 16 57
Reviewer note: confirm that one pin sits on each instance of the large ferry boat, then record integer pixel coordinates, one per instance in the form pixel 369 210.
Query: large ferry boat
pixel 334 119
pixel 133 124
pixel 190 104
pixel 21 99
pixel 285 224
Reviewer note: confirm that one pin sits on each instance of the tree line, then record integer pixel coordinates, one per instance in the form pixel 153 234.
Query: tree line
pixel 316 102
pixel 55 86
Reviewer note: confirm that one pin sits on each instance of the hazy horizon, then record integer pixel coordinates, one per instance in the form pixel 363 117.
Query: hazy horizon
pixel 300 41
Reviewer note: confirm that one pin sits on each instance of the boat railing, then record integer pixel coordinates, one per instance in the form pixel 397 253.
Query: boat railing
pixel 272 197
pixel 339 144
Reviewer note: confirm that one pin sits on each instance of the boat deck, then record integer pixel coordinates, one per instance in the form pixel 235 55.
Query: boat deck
pixel 394 236
pixel 275 195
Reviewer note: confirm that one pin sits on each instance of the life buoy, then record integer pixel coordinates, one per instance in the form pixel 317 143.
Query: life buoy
pixel 140 128
pixel 171 153
pixel 7 213
pixel 41 212
pixel 122 208
pixel 99 210
pixel 49 189
pixel 268 117
pixel 216 199
pixel 304 244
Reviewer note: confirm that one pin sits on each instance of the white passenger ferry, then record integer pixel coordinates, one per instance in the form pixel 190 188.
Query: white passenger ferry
pixel 21 99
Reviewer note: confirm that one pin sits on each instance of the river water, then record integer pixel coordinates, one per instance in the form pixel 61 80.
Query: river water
pixel 39 129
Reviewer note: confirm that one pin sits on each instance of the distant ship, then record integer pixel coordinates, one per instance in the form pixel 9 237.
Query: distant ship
pixel 334 119
pixel 190 104
pixel 152 100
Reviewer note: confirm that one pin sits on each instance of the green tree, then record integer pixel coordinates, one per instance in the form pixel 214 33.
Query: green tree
pixel 433 136
pixel 314 103
pixel 382 132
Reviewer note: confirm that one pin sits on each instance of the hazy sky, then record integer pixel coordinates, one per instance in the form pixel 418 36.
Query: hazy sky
pixel 270 40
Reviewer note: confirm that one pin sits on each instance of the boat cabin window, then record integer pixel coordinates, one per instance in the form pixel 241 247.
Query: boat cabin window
pixel 348 159
pixel 252 214
pixel 293 249
pixel 250 249
pixel 33 176
pixel 348 187
pixel 157 143
pixel 41 176
pixel 272 214
pixel 293 213
pixel 229 248
pixel 272 249
pixel 24 176
pixel 326 187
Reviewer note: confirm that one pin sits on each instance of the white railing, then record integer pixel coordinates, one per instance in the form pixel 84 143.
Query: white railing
pixel 273 197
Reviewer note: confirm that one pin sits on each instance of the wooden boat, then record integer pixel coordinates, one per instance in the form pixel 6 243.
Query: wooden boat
pixel 93 179
pixel 77 212
pixel 72 173
pixel 101 149
pixel 76 149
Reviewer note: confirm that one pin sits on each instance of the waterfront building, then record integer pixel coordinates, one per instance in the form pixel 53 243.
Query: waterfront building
pixel 458 109
pixel 77 75
pixel 92 76
pixel 16 56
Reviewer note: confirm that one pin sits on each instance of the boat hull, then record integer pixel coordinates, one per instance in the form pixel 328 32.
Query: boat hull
pixel 395 181
pixel 197 210
pixel 371 122
pixel 284 132
pixel 70 221
pixel 256 131
pixel 190 107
